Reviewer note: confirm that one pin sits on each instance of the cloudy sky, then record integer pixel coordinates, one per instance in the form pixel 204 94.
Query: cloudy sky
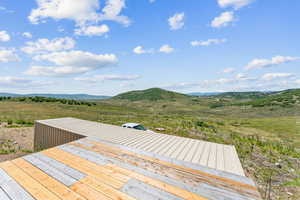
pixel 110 46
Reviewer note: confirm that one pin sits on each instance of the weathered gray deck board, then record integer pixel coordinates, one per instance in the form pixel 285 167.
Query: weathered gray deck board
pixel 60 166
pixel 3 195
pixel 140 190
pixel 53 172
pixel 12 188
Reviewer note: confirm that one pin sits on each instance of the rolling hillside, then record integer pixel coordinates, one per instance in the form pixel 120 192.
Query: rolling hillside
pixel 152 94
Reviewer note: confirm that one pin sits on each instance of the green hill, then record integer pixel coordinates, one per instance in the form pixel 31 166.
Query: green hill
pixel 152 94
pixel 242 95
pixel 286 98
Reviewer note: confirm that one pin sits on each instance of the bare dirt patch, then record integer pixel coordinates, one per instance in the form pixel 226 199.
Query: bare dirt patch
pixel 15 142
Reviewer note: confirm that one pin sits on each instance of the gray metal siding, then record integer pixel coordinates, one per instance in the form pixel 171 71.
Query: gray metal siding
pixel 46 136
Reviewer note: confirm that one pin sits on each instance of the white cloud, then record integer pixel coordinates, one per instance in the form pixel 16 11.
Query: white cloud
pixel 152 1
pixel 297 82
pixel 109 77
pixel 6 10
pixel 264 63
pixel 166 49
pixel 79 58
pixel 55 71
pixel 44 45
pixel 223 20
pixel 275 76
pixel 141 50
pixel 176 21
pixel 8 80
pixel 112 11
pixel 81 11
pixel 92 30
pixel 4 36
pixel 234 3
pixel 27 34
pixel 70 63
pixel 8 55
pixel 208 42
pixel 244 77
pixel 228 70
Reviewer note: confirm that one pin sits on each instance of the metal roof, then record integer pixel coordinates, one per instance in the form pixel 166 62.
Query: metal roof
pixel 93 169
pixel 215 156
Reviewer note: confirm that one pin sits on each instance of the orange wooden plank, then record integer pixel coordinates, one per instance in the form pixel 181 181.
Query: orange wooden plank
pixel 105 189
pixel 88 192
pixel 87 167
pixel 156 183
pixel 51 184
pixel 31 185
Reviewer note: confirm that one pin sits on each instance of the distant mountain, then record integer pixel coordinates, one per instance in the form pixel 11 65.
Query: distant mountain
pixel 152 94
pixel 59 96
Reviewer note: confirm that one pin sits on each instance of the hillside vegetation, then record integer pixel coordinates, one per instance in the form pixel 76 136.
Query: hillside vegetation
pixel 152 94
pixel 267 138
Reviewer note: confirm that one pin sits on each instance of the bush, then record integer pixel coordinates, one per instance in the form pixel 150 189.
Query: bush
pixel 201 124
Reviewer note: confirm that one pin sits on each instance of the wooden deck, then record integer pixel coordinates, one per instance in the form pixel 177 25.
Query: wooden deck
pixel 92 169
pixel 212 155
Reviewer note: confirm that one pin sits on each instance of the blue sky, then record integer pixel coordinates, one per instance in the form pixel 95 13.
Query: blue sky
pixel 110 46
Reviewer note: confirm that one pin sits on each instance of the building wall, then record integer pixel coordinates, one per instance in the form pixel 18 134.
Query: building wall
pixel 47 136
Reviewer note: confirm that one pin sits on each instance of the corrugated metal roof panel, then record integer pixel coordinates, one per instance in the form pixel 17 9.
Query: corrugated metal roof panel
pixel 213 155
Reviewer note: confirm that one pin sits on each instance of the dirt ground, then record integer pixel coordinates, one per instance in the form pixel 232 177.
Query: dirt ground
pixel 18 140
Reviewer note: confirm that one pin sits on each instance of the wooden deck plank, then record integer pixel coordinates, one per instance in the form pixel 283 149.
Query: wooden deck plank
pixel 60 166
pixel 3 195
pixel 141 190
pixel 164 186
pixel 12 188
pixel 50 183
pixel 58 175
pixel 31 185
pixel 105 189
pixel 88 192
pixel 86 166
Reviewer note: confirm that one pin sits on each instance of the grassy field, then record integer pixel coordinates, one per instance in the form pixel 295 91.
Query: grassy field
pixel 267 138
